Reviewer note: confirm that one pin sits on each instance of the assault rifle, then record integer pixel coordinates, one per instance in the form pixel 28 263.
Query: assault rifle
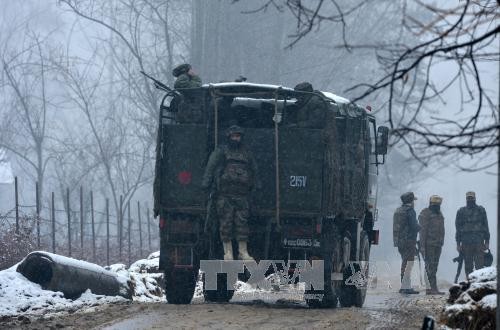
pixel 420 263
pixel 460 260
pixel 158 84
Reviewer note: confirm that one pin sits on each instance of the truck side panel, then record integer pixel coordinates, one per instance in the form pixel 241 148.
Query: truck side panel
pixel 184 162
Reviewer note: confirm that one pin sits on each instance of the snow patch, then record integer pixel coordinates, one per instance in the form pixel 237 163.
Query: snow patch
pixel 18 295
pixel 473 304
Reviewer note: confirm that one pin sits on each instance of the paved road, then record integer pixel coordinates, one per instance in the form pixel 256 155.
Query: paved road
pixel 382 310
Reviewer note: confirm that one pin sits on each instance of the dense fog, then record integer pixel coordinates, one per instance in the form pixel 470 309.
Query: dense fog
pixel 75 110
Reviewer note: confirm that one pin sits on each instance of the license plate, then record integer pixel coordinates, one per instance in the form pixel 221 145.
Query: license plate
pixel 301 242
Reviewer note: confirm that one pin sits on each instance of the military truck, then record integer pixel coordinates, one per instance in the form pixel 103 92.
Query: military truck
pixel 318 191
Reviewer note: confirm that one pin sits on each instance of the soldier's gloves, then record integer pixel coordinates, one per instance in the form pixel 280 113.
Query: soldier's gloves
pixel 459 248
pixel 486 245
pixel 156 212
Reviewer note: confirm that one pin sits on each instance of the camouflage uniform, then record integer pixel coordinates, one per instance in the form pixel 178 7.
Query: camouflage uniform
pixel 472 233
pixel 405 230
pixel 231 171
pixel 311 109
pixel 187 81
pixel 431 221
pixel 184 80
pixel 188 109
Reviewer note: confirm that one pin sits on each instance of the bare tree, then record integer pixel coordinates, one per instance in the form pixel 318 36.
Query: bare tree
pixel 109 147
pixel 461 36
pixel 150 37
pixel 25 84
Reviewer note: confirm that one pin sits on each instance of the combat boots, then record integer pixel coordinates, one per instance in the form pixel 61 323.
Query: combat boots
pixel 408 291
pixel 433 291
pixel 228 250
pixel 243 253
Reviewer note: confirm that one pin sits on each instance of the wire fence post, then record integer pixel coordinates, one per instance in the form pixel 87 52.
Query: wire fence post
pixel 119 229
pixel 81 221
pixel 93 224
pixel 149 228
pixel 69 221
pixel 107 231
pixel 37 202
pixel 140 227
pixel 16 192
pixel 53 224
pixel 129 238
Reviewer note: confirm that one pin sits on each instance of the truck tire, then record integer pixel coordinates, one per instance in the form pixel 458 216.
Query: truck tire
pixel 180 285
pixel 222 294
pixel 329 295
pixel 350 295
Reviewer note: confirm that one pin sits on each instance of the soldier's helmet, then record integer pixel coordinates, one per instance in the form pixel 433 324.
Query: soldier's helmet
pixel 234 129
pixel 181 69
pixel 304 87
pixel 435 200
pixel 408 197
pixel 470 195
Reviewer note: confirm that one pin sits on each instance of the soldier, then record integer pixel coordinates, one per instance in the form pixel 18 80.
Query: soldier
pixel 431 221
pixel 186 78
pixel 232 170
pixel 405 230
pixel 311 109
pixel 188 109
pixel 472 233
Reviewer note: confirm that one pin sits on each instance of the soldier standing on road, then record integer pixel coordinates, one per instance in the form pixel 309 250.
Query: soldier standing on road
pixel 311 109
pixel 231 170
pixel 472 233
pixel 405 230
pixel 431 221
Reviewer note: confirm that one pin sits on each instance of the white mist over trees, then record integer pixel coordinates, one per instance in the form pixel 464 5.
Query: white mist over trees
pixel 75 109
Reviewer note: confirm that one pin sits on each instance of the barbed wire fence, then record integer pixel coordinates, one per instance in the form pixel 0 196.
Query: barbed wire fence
pixel 80 231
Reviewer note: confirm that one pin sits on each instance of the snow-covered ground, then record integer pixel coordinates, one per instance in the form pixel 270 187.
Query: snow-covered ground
pixel 473 304
pixel 18 295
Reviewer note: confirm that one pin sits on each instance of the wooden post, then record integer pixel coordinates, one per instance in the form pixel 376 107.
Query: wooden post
pixel 17 204
pixel 149 229
pixel 81 221
pixel 129 230
pixel 53 224
pixel 119 225
pixel 107 231
pixel 93 224
pixel 37 196
pixel 140 227
pixel 69 221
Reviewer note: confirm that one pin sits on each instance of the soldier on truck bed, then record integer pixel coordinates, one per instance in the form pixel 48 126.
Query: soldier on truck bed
pixel 472 233
pixel 405 231
pixel 431 221
pixel 231 172
pixel 311 109
pixel 186 77
pixel 188 109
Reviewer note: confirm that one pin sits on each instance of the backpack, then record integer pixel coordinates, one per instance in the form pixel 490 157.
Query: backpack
pixel 235 177
pixel 400 225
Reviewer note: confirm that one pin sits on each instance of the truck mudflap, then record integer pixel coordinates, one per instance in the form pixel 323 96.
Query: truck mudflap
pixel 180 235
